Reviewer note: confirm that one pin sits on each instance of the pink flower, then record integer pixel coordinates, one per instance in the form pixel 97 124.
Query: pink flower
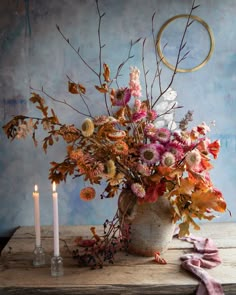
pixel 159 147
pixel 138 190
pixel 163 135
pixel 137 104
pixel 138 116
pixel 168 159
pixel 143 169
pixel 135 89
pixel 193 159
pixel 150 131
pixel 134 84
pixel 149 154
pixel 120 97
pixel 176 149
pixel 151 115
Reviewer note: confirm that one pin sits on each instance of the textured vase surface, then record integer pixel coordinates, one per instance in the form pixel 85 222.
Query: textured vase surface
pixel 151 226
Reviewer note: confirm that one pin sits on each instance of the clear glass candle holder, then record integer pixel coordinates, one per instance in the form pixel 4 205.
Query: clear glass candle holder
pixel 57 266
pixel 39 258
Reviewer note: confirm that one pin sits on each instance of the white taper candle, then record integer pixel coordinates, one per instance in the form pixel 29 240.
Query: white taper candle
pixel 37 217
pixel 55 220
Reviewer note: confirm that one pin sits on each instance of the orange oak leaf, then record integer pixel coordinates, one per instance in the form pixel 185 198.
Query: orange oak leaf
pixel 212 199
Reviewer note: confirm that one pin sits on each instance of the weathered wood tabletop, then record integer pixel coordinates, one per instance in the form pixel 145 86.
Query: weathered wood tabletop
pixel 128 275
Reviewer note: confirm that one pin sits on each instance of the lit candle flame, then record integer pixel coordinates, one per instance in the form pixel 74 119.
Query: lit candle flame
pixel 54 186
pixel 36 188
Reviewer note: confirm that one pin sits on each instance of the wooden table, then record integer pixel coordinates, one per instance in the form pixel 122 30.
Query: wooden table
pixel 129 274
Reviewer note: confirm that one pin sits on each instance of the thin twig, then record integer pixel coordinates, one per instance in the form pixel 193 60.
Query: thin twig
pixel 179 59
pixel 60 101
pixel 144 71
pixel 77 51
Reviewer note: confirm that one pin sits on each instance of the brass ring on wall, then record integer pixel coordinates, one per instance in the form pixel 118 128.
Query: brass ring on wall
pixel 211 37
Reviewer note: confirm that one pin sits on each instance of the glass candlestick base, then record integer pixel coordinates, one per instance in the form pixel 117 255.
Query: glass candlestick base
pixel 39 256
pixel 57 266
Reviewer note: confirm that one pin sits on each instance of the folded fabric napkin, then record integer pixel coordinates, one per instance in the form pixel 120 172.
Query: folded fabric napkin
pixel 206 255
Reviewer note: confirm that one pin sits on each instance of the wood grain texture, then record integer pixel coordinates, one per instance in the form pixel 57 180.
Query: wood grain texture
pixel 128 275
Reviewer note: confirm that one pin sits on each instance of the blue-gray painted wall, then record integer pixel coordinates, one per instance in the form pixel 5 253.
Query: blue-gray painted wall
pixel 33 54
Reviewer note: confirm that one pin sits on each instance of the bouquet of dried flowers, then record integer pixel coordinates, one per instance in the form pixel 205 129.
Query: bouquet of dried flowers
pixel 135 143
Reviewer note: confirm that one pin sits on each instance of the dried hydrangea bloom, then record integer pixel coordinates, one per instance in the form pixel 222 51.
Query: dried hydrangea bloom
pixel 87 193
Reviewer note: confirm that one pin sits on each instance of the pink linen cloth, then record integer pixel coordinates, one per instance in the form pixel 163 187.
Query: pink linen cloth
pixel 206 255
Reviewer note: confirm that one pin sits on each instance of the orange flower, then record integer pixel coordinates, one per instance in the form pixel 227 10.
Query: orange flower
pixel 87 194
pixel 120 148
pixel 214 148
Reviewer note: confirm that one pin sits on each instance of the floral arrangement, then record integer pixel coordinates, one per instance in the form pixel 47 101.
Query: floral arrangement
pixel 134 144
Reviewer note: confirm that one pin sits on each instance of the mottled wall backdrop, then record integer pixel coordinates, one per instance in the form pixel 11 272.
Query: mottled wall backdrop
pixel 34 55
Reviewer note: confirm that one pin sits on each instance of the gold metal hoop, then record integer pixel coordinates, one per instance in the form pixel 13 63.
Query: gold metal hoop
pixel 211 37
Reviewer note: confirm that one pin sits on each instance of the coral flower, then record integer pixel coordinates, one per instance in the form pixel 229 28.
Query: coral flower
pixel 87 127
pixel 149 154
pixel 120 97
pixel 214 148
pixel 87 193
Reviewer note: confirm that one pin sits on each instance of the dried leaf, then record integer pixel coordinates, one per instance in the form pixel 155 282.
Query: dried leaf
pixel 102 89
pixel 211 199
pixel 184 229
pixel 73 88
pixel 106 73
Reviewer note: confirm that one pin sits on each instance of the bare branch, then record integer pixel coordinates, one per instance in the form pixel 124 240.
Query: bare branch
pixel 60 101
pixel 77 51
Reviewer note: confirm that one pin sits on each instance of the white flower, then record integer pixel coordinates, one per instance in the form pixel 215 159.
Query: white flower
pixel 172 125
pixel 170 94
